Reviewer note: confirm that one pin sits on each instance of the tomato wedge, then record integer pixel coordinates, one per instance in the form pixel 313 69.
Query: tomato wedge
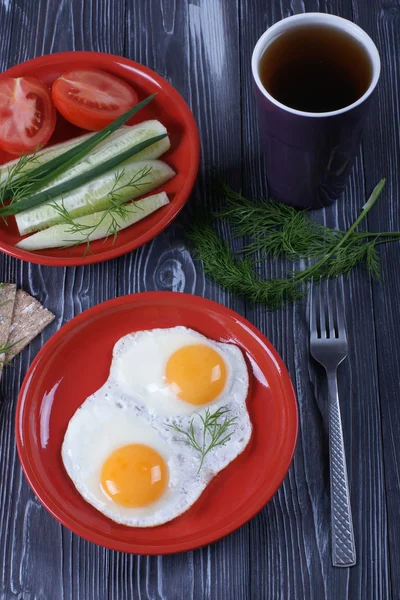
pixel 92 98
pixel 27 114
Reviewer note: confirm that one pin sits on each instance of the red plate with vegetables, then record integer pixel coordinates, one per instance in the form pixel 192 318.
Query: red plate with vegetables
pixel 71 195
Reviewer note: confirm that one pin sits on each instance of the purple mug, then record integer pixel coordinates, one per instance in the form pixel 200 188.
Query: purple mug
pixel 309 155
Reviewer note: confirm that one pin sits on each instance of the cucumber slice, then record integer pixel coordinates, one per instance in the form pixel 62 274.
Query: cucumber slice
pixel 93 196
pixel 115 145
pixel 117 142
pixel 61 236
pixel 50 152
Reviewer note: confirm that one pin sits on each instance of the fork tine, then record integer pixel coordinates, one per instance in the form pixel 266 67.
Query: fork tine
pixel 313 314
pixel 322 306
pixel 341 326
pixel 332 305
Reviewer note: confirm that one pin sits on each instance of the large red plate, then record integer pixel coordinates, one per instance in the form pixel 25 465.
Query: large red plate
pixel 168 107
pixel 76 361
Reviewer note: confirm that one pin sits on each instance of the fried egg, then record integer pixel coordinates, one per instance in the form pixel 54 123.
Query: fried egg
pixel 178 371
pixel 122 449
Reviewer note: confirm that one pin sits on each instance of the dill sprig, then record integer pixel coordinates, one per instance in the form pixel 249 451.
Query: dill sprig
pixel 278 229
pixel 18 183
pixel 117 210
pixel 6 349
pixel 215 432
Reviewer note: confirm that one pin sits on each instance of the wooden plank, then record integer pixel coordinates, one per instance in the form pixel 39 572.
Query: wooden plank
pixel 381 158
pixel 6 21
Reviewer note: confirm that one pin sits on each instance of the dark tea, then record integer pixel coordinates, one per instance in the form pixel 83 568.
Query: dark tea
pixel 315 68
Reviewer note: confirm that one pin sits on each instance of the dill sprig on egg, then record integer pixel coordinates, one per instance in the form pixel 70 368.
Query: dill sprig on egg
pixel 214 432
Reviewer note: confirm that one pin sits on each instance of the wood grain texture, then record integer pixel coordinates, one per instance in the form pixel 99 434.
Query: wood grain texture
pixel 203 47
pixel 383 22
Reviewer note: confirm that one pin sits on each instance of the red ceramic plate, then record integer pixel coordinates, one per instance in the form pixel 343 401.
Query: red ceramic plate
pixel 168 107
pixel 76 361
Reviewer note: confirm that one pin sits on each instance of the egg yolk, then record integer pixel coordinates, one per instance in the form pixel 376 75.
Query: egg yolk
pixel 134 475
pixel 197 373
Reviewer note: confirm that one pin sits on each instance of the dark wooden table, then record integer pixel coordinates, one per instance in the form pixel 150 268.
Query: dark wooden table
pixel 203 48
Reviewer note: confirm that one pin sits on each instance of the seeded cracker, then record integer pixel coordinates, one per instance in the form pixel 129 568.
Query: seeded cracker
pixel 29 319
pixel 7 299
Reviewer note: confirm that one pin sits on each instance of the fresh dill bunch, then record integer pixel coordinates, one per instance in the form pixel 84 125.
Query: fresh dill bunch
pixel 279 229
pixel 238 275
pixel 332 252
pixel 117 210
pixel 216 431
pixel 275 228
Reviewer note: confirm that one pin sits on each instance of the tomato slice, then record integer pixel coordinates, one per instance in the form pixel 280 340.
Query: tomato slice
pixel 92 98
pixel 27 114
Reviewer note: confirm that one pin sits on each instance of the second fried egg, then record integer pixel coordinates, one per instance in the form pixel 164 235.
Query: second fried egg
pixel 177 371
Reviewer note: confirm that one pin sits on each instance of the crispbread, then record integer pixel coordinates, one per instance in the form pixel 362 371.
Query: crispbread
pixel 29 319
pixel 7 299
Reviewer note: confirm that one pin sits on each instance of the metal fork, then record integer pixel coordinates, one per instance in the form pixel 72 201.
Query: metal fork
pixel 328 346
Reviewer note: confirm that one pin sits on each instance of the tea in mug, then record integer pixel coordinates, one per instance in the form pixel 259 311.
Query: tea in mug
pixel 315 68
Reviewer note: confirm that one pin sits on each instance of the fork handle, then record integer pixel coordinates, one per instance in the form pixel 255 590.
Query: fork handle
pixel 343 546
